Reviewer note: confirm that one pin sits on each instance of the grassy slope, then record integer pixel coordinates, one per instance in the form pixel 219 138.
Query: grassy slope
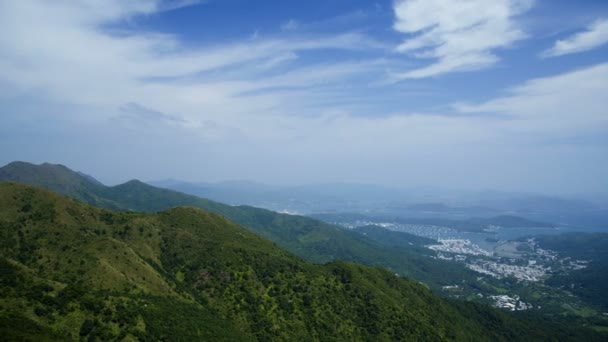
pixel 72 271
pixel 308 238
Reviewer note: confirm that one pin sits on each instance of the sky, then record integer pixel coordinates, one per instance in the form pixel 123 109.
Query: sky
pixel 506 94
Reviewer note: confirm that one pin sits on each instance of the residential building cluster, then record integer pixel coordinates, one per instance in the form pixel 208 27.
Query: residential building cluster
pixel 497 270
pixel 459 246
pixel 510 303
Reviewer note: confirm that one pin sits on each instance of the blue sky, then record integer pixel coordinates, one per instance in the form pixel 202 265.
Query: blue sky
pixel 475 94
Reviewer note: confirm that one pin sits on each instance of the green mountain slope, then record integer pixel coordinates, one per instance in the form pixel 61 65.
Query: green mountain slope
pixel 57 178
pixel 589 283
pixel 72 272
pixel 394 238
pixel 308 238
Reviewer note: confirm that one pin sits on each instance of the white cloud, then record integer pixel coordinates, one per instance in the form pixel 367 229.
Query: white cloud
pixel 290 25
pixel 596 35
pixel 61 51
pixel 460 35
pixel 572 103
pixel 254 109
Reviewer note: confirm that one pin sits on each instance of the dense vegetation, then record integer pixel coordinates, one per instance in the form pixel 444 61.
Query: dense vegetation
pixel 75 272
pixel 308 238
pixel 392 238
pixel 590 283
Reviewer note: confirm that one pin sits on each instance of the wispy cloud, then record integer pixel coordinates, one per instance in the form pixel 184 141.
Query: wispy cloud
pixel 459 35
pixel 142 115
pixel 177 4
pixel 62 51
pixel 594 36
pixel 344 21
pixel 309 98
pixel 290 25
pixel 570 103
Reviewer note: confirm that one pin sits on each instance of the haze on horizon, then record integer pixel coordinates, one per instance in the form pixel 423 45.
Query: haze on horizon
pixel 508 95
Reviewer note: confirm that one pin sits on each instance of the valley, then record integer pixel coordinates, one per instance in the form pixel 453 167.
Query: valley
pixel 488 264
pixel 72 271
pixel 515 268
pixel 307 171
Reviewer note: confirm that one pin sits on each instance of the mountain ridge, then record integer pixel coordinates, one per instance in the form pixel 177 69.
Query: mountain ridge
pixel 313 240
pixel 72 272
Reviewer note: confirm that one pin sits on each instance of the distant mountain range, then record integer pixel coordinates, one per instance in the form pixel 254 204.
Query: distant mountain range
pixel 474 224
pixel 75 272
pixel 404 203
pixel 298 199
pixel 308 238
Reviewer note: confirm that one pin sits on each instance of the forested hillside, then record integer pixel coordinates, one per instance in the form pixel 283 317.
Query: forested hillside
pixel 308 238
pixel 71 271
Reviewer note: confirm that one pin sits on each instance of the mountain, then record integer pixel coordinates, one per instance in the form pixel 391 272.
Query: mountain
pixel 57 178
pixel 90 178
pixel 474 224
pixel 537 203
pixel 509 221
pixel 306 237
pixel 430 207
pixel 74 272
pixel 587 211
pixel 590 282
pixel 303 199
pixel 393 238
pixel 235 192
